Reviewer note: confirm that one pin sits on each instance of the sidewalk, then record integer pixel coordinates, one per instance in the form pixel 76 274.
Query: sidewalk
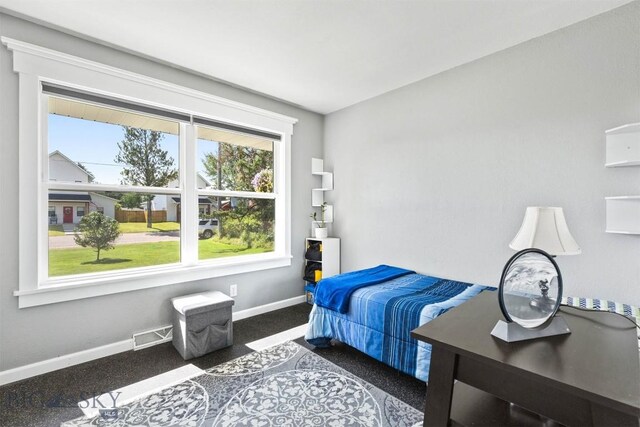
pixel 67 241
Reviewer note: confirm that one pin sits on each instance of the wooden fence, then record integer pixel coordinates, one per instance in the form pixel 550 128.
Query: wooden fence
pixel 131 215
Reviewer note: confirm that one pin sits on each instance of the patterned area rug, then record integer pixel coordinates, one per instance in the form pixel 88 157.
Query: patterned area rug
pixel 285 385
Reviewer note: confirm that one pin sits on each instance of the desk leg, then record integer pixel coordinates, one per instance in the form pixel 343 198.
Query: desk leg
pixel 442 371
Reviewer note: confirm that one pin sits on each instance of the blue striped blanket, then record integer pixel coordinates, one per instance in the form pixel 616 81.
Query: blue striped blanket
pixel 381 317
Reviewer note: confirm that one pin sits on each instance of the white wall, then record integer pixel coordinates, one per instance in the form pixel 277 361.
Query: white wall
pixel 58 209
pixel 160 202
pixel 107 203
pixel 172 210
pixel 74 205
pixel 39 333
pixel 436 176
pixel 60 169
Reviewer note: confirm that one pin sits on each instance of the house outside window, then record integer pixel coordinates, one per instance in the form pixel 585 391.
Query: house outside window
pixel 118 110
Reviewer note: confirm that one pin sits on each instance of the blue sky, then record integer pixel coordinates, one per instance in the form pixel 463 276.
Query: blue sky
pixel 95 144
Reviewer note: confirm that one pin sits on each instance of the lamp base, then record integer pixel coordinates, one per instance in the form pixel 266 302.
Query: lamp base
pixel 512 332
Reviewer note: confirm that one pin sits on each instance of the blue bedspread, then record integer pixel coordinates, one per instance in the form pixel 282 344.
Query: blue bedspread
pixel 381 317
pixel 334 292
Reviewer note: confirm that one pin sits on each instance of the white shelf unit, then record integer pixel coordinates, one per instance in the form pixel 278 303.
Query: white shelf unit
pixel 623 146
pixel 330 255
pixel 329 261
pixel 326 184
pixel 623 214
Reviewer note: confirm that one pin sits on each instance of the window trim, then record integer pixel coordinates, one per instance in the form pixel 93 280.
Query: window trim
pixel 35 64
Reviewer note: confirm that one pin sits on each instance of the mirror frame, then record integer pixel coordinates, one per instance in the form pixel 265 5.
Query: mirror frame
pixel 511 261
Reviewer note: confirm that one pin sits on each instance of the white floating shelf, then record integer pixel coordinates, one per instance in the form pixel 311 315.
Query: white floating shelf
pixel 623 214
pixel 317 166
pixel 623 164
pixel 623 146
pixel 317 194
pixel 317 197
pixel 327 181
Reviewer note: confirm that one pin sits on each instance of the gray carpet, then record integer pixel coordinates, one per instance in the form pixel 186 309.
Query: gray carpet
pixel 283 385
pixel 50 399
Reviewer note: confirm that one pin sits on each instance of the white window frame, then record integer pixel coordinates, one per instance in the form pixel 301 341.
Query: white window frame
pixel 34 65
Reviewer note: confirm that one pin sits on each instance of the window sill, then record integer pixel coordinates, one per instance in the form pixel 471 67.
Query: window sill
pixel 69 290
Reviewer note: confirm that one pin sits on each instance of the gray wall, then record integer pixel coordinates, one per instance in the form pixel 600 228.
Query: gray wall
pixel 436 176
pixel 34 334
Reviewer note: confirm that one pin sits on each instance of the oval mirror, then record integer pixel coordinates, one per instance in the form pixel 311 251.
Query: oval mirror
pixel 530 288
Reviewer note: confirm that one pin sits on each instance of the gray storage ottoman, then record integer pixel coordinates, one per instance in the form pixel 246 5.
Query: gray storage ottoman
pixel 202 323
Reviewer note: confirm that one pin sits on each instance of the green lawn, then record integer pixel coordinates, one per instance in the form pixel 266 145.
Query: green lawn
pixel 56 230
pixel 141 227
pixel 82 260
pixel 212 248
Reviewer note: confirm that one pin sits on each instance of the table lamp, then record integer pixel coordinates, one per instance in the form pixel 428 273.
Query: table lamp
pixel 531 284
pixel 545 228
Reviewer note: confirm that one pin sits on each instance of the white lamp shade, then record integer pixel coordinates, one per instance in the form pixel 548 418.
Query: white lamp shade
pixel 545 228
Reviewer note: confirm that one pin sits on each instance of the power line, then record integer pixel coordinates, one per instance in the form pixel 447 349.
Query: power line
pixel 100 164
pixel 88 163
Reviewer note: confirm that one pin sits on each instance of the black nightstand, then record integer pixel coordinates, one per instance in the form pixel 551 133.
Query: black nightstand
pixel 589 377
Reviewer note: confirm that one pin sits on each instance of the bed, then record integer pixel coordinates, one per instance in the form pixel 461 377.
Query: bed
pixel 376 316
pixel 379 316
pixel 630 311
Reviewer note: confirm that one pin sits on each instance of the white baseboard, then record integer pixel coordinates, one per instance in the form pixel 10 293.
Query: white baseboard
pixel 50 365
pixel 38 368
pixel 261 309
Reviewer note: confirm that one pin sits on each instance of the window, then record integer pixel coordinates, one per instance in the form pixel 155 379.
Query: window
pixel 235 181
pixel 94 116
pixel 126 153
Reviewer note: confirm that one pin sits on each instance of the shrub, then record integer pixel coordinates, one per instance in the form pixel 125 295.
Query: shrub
pixel 97 231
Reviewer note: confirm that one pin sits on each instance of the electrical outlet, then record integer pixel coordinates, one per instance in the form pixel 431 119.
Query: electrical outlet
pixel 233 290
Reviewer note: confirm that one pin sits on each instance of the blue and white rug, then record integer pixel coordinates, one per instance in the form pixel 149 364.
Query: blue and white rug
pixel 284 385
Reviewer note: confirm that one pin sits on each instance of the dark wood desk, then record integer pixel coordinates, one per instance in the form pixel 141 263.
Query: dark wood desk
pixel 589 377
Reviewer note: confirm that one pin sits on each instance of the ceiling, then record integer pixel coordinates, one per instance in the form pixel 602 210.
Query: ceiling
pixel 322 55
